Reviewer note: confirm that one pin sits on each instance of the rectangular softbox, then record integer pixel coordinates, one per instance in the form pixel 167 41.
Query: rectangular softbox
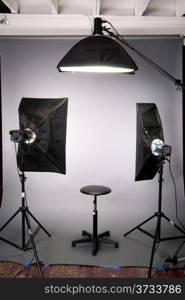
pixel 46 119
pixel 149 127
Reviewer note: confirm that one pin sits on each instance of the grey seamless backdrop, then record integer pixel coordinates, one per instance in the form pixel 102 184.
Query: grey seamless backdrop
pixel 101 141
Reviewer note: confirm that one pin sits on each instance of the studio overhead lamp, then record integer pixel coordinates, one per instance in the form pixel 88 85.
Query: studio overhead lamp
pixel 98 53
pixel 104 52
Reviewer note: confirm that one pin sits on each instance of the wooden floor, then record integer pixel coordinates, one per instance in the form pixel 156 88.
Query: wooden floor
pixel 11 269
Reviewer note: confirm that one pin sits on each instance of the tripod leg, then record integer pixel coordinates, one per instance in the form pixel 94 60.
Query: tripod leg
pixel 23 229
pixel 31 215
pixel 174 259
pixel 153 250
pixel 147 220
pixel 33 244
pixel 173 224
pixel 29 241
pixel 179 248
pixel 10 243
pixel 10 219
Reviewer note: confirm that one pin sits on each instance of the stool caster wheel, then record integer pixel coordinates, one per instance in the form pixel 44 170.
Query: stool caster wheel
pixel 116 245
pixel 73 244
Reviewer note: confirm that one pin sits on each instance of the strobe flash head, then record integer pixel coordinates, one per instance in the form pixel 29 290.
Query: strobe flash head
pixel 27 136
pixel 159 148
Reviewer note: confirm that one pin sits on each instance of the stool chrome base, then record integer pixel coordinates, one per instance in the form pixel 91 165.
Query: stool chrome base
pixel 95 240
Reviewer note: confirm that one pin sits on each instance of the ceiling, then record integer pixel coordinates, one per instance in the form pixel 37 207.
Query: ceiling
pixel 75 17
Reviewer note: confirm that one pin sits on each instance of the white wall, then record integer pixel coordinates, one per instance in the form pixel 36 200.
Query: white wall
pixel 101 134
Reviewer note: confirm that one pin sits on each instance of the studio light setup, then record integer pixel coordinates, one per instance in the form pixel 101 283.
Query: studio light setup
pixel 134 120
pixel 151 155
pixel 104 52
pixel 41 140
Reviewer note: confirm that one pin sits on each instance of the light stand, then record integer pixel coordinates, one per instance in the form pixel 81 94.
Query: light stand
pixel 24 210
pixel 26 224
pixel 41 139
pixel 159 215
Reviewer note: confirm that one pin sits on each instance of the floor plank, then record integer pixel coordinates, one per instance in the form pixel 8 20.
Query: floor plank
pixel 11 270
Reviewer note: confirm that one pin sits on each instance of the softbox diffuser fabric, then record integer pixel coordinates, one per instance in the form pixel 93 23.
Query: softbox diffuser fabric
pixel 149 127
pixel 47 118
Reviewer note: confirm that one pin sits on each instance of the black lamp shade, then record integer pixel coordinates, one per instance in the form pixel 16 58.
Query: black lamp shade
pixel 97 53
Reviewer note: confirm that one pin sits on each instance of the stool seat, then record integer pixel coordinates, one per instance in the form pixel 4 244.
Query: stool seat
pixel 95 190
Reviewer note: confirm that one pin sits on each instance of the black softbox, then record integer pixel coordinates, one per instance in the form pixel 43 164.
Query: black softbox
pixel 149 127
pixel 47 118
pixel 4 9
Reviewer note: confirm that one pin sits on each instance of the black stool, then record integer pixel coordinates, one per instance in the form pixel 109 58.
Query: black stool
pixel 95 238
